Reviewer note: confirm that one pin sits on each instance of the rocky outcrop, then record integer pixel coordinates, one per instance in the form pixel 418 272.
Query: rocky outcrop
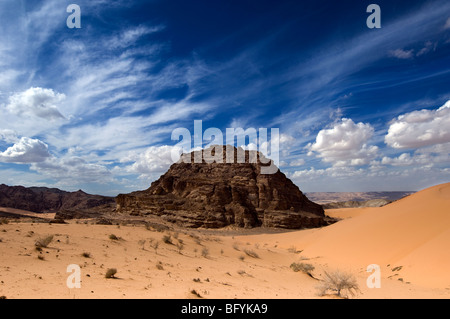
pixel 201 193
pixel 43 200
pixel 357 204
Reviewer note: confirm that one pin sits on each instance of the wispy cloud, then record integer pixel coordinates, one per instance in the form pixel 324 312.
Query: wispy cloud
pixel 447 24
pixel 97 104
pixel 402 54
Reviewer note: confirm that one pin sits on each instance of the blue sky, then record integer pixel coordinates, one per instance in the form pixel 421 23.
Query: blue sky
pixel 358 109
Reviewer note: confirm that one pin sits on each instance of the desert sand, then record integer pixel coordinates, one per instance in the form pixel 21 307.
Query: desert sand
pixel 409 240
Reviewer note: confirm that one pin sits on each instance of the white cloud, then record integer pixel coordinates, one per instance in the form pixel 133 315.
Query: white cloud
pixel 345 144
pixel 410 54
pixel 402 54
pixel 447 24
pixel 420 128
pixel 297 162
pixel 9 136
pixel 26 150
pixel 38 102
pixel 154 160
pixel 404 159
pixel 335 172
pixel 286 139
pixel 423 157
pixel 250 147
pixel 129 36
pixel 353 180
pixel 73 170
pixel 429 46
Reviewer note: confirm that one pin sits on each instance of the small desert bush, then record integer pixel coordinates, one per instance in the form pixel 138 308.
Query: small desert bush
pixel 154 245
pixel 86 255
pixel 303 267
pixel 244 273
pixel 340 283
pixel 40 257
pixel 195 293
pixel 110 273
pixel 180 247
pixel 43 242
pixel 159 266
pixel 113 237
pixel 294 250
pixel 241 257
pixel 142 242
pixel 167 239
pixel 205 252
pixel 4 221
pixel 251 253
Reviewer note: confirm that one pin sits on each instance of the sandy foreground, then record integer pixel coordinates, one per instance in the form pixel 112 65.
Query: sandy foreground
pixel 408 239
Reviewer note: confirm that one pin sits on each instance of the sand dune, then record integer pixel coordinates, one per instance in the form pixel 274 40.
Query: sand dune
pixel 411 236
pixel 408 239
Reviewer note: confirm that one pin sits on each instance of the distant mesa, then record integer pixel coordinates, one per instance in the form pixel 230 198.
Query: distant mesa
pixel 330 200
pixel 67 205
pixel 200 193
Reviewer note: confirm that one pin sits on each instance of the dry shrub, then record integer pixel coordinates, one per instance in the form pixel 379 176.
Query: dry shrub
pixel 180 247
pixel 154 245
pixel 251 253
pixel 110 273
pixel 167 239
pixel 43 242
pixel 303 267
pixel 205 252
pixel 195 293
pixel 340 283
pixel 113 237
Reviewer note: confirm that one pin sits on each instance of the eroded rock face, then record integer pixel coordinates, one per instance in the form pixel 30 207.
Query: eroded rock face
pixel 212 195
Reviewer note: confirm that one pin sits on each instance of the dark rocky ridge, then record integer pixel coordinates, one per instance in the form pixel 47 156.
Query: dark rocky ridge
pixel 50 200
pixel 213 195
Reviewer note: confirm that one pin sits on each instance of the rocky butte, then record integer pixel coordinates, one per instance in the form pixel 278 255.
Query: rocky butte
pixel 201 193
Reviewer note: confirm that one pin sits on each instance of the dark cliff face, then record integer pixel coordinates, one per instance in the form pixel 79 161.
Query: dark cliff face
pixel 215 195
pixel 41 199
